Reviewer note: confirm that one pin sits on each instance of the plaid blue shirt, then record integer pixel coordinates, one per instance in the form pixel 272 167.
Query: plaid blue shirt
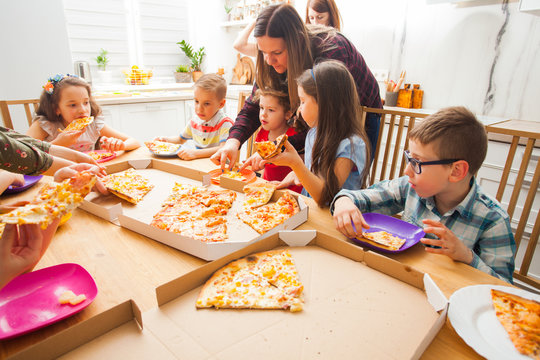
pixel 478 221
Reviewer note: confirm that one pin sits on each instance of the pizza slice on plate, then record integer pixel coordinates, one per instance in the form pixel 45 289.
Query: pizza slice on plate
pixel 128 185
pixel 54 200
pixel 384 239
pixel 268 149
pixel 78 124
pixel 259 193
pixel 162 147
pixel 258 281
pixel 520 318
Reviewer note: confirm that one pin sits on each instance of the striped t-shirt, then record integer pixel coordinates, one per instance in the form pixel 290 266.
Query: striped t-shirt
pixel 207 134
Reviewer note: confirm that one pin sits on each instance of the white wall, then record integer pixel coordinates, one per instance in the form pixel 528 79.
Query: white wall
pixel 34 46
pixel 453 52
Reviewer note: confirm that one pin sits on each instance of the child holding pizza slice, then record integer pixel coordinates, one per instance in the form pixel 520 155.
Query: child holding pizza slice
pixel 335 149
pixel 274 113
pixel 66 98
pixel 439 193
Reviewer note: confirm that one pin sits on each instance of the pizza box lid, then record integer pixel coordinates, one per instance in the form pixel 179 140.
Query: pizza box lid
pixel 138 217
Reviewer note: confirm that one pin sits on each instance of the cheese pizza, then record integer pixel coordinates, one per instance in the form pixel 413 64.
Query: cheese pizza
pixel 196 212
pixel 54 200
pixel 162 147
pixel 78 124
pixel 98 156
pixel 385 239
pixel 267 217
pixel 267 280
pixel 128 185
pixel 520 318
pixel 268 149
pixel 259 193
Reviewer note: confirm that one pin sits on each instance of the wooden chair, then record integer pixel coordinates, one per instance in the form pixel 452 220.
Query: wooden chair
pixel 519 131
pixel 4 108
pixel 400 122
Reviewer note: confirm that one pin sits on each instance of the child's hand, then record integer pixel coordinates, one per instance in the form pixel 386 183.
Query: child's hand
pixel 289 157
pixel 256 162
pixel 15 179
pixel 347 217
pixel 289 180
pixel 187 154
pixel 449 244
pixel 68 138
pixel 72 170
pixel 111 144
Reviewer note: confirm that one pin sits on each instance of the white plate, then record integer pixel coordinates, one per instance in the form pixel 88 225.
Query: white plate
pixel 473 317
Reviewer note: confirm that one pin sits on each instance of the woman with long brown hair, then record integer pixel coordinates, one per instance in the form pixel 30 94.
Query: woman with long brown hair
pixel 285 49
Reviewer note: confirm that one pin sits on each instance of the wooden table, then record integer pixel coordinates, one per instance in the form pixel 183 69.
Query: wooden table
pixel 126 265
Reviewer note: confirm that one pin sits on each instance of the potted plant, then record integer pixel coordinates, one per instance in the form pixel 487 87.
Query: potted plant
pixel 182 74
pixel 196 58
pixel 102 60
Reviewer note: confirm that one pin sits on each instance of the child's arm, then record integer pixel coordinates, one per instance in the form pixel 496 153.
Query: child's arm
pixel 347 217
pixel 313 184
pixel 170 139
pixel 190 154
pixel 67 138
pixel 114 140
pixel 496 246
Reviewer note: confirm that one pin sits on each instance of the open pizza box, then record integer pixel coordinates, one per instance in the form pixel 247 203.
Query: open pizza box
pixel 358 304
pixel 163 175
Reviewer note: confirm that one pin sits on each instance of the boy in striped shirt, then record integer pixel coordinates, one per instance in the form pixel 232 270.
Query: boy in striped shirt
pixel 440 194
pixel 209 127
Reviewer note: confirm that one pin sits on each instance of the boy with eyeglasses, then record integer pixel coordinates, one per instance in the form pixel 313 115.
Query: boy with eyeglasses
pixel 440 194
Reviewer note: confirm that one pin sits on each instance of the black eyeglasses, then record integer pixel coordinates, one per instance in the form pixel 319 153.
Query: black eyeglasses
pixel 416 164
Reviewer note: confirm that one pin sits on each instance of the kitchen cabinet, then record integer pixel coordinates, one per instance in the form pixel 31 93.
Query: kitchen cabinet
pixel 144 121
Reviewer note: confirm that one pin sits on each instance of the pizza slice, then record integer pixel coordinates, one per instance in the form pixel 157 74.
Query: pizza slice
pixel 54 200
pixel 78 124
pixel 385 239
pixel 242 284
pixel 269 149
pixel 520 318
pixel 265 218
pixel 162 147
pixel 101 155
pixel 128 185
pixel 259 193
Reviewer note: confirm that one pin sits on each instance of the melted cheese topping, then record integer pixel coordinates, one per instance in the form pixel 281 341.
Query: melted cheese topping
pixel 128 183
pixel 161 147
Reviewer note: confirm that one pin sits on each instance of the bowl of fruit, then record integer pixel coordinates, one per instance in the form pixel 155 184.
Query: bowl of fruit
pixel 138 76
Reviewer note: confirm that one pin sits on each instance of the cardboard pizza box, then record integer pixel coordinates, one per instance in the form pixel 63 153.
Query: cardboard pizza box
pixel 358 304
pixel 163 175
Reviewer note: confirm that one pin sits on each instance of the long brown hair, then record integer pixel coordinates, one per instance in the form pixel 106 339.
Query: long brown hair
pixel 334 89
pixel 48 103
pixel 282 21
pixel 325 6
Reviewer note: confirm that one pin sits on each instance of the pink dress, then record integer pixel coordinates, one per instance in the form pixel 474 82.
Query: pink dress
pixel 85 142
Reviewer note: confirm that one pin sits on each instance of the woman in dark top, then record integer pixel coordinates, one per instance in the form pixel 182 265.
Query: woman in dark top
pixel 286 48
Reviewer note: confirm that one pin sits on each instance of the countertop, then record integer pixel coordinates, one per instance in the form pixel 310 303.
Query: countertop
pixel 116 94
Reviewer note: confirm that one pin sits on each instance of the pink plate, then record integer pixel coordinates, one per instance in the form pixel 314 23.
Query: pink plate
pixel 30 301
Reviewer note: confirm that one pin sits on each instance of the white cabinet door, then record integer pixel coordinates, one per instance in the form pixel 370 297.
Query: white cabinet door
pixel 145 121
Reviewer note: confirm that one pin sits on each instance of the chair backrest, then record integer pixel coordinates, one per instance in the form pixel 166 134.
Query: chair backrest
pixel 393 139
pixel 6 116
pixel 528 133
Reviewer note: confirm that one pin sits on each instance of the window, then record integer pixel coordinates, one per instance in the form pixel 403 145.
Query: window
pixel 134 32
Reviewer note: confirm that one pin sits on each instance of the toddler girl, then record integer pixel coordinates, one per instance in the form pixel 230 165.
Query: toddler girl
pixel 274 113
pixel 335 149
pixel 64 99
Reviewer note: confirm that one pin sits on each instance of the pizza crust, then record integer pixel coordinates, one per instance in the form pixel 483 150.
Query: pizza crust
pixel 78 124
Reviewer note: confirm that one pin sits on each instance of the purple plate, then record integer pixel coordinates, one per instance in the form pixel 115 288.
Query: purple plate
pixel 379 222
pixel 29 181
pixel 30 301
